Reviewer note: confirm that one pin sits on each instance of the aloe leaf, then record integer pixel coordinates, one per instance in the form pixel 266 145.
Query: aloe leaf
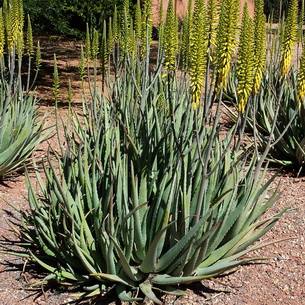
pixel 149 262
pixel 167 259
pixel 131 272
pixel 166 280
pixel 146 288
pixel 124 296
pixel 43 264
pixel 111 278
pixel 222 266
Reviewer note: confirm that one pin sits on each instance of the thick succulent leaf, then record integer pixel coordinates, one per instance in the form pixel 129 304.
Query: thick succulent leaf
pixel 111 277
pixel 146 288
pixel 167 280
pixel 171 255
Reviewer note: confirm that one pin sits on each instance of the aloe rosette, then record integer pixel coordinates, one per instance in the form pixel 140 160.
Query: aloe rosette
pixel 146 198
pixel 20 130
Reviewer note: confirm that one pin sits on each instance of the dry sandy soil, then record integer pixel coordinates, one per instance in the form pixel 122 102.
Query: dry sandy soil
pixel 280 280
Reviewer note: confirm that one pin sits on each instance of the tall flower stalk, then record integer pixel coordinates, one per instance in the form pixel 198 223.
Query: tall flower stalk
pixel 82 65
pixel 245 64
pixel 29 48
pixel 38 56
pixel 56 81
pixel 226 40
pixel 212 22
pixel 301 80
pixel 260 47
pixel 2 36
pixel 146 25
pixel 138 22
pixel 290 37
pixel 198 47
pixel 185 38
pixel 170 38
pixel 104 55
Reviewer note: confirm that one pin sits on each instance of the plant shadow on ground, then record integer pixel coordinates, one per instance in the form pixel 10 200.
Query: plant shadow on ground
pixel 32 277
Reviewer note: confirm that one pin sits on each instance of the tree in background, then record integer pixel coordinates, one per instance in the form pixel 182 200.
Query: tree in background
pixel 68 17
pixel 274 6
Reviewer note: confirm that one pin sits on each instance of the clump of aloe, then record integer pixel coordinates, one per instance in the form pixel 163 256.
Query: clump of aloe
pixel 146 197
pixel 21 130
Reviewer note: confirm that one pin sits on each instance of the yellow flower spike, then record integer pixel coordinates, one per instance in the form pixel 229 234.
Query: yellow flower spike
pixel 138 21
pixel 82 62
pixel 115 30
pixel 185 37
pixel 29 38
pixel 15 21
pixel 245 62
pixel 290 37
pixel 260 46
pixel 104 48
pixel 301 80
pixel 213 19
pixel 8 27
pixel 2 35
pixel 170 38
pixel 104 54
pixel 88 44
pixel 20 45
pixel 111 42
pixel 56 81
pixel 198 51
pixel 132 40
pixel 226 40
pixel 146 25
pixel 125 23
pixel 38 56
pixel 20 15
pixel 95 44
pixel 161 23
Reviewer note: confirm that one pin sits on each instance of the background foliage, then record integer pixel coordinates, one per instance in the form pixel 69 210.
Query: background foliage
pixel 69 17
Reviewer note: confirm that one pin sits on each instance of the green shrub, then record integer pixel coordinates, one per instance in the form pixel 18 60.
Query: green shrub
pixel 279 120
pixel 20 130
pixel 276 104
pixel 68 17
pixel 148 193
pixel 146 196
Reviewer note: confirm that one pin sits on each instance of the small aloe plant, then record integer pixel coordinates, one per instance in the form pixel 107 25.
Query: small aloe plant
pixel 21 130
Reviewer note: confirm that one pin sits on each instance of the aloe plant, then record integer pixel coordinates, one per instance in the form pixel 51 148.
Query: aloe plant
pixel 279 120
pixel 276 111
pixel 20 130
pixel 275 116
pixel 276 105
pixel 147 196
